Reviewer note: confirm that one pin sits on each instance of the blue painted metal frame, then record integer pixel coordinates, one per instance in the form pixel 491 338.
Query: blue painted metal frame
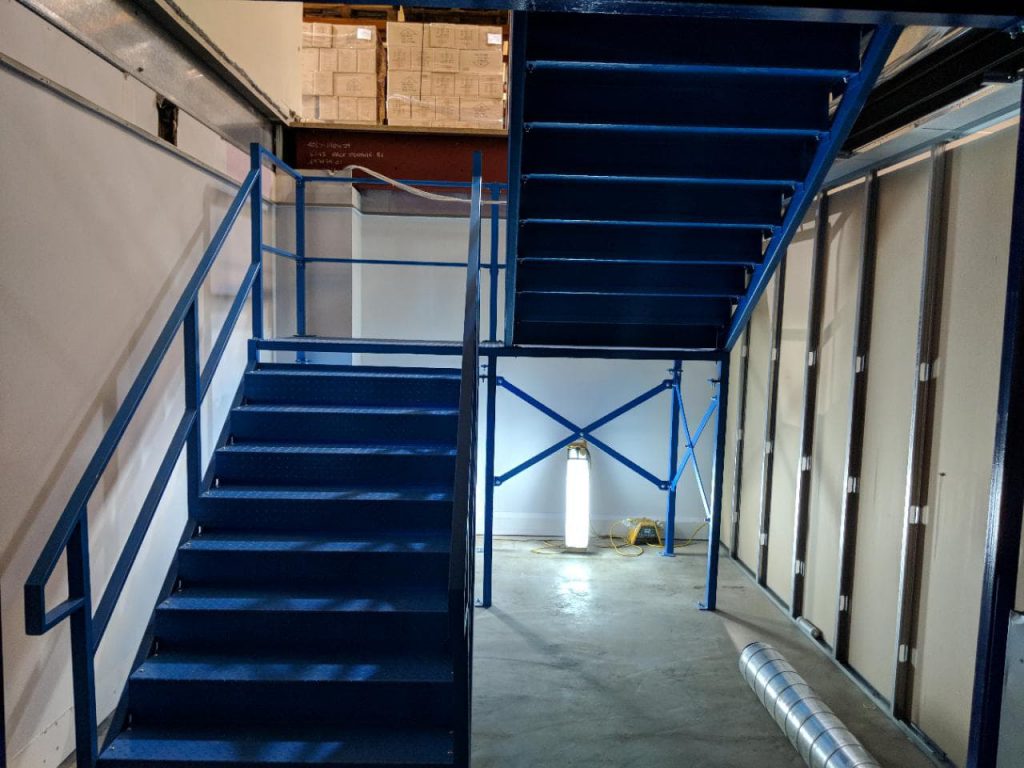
pixel 859 87
pixel 710 602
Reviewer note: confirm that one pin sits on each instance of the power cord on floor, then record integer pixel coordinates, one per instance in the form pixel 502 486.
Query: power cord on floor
pixel 625 549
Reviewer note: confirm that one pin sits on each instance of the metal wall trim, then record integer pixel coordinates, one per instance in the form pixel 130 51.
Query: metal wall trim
pixel 741 415
pixel 855 427
pixel 921 422
pixel 819 270
pixel 771 410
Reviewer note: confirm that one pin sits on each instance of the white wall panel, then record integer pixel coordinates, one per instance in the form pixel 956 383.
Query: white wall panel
pixel 792 348
pixel 970 338
pixel 831 421
pixel 753 427
pixel 891 376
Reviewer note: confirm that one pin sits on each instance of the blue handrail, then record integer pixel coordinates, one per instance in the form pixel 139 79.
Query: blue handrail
pixel 70 534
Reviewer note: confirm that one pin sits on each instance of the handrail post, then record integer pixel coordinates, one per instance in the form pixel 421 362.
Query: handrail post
pixel 492 392
pixel 673 460
pixel 256 216
pixel 493 265
pixel 193 396
pixel 82 671
pixel 300 263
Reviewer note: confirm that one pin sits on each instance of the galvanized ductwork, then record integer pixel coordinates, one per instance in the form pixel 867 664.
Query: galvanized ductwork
pixel 817 734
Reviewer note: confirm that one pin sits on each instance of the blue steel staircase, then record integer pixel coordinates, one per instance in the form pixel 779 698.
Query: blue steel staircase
pixel 308 619
pixel 659 166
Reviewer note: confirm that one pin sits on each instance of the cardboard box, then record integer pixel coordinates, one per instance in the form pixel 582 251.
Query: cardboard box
pixel 366 110
pixel 482 111
pixel 323 84
pixel 423 111
pixel 401 33
pixel 441 35
pixel 353 36
pixel 399 109
pixel 483 61
pixel 404 58
pixel 438 84
pixel 491 37
pixel 446 110
pixel 308 85
pixel 310 59
pixel 404 84
pixel 317 36
pixel 366 61
pixel 442 59
pixel 327 108
pixel 327 59
pixel 467 37
pixel 309 107
pixel 491 86
pixel 346 84
pixel 467 84
pixel 346 59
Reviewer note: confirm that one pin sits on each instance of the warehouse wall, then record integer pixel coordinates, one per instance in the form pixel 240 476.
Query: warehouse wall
pixel 101 228
pixel 263 39
pixel 976 227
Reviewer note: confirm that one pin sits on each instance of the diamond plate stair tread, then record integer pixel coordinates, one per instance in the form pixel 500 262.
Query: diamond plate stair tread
pixel 299 494
pixel 340 450
pixel 197 748
pixel 347 409
pixel 360 372
pixel 437 543
pixel 383 600
pixel 363 667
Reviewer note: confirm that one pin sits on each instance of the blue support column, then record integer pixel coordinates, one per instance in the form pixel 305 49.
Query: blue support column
pixel 492 391
pixel 673 460
pixel 1006 500
pixel 256 216
pixel 715 527
pixel 492 266
pixel 300 263
pixel 82 645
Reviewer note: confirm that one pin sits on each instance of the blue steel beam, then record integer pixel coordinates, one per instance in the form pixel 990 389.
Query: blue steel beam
pixel 725 130
pixel 691 448
pixel 584 432
pixel 812 73
pixel 710 602
pixel 859 88
pixel 673 457
pixel 516 99
pixel 696 439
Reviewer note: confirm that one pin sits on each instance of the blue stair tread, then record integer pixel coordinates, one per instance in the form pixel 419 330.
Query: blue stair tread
pixel 340 450
pixel 339 667
pixel 292 747
pixel 427 543
pixel 361 372
pixel 299 494
pixel 382 410
pixel 383 599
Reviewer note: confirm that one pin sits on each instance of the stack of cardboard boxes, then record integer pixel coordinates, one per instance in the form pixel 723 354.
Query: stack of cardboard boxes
pixel 341 73
pixel 445 75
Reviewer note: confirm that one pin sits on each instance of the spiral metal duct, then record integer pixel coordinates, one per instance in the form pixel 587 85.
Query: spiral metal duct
pixel 817 734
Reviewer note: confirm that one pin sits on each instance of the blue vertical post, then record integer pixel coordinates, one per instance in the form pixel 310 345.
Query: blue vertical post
pixel 1006 498
pixel 193 393
pixel 492 390
pixel 300 263
pixel 673 460
pixel 493 266
pixel 256 217
pixel 82 645
pixel 715 527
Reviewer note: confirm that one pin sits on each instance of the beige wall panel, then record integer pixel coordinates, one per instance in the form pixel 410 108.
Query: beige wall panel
pixel 793 346
pixel 970 336
pixel 753 427
pixel 731 422
pixel 832 419
pixel 891 374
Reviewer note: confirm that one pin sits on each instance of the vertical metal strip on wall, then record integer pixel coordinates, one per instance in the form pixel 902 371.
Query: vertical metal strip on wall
pixel 819 270
pixel 921 422
pixel 741 415
pixel 855 432
pixel 1006 499
pixel 771 409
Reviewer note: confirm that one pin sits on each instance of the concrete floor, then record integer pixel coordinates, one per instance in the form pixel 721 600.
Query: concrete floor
pixel 601 660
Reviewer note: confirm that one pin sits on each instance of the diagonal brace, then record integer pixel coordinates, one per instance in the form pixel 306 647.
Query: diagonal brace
pixel 583 432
